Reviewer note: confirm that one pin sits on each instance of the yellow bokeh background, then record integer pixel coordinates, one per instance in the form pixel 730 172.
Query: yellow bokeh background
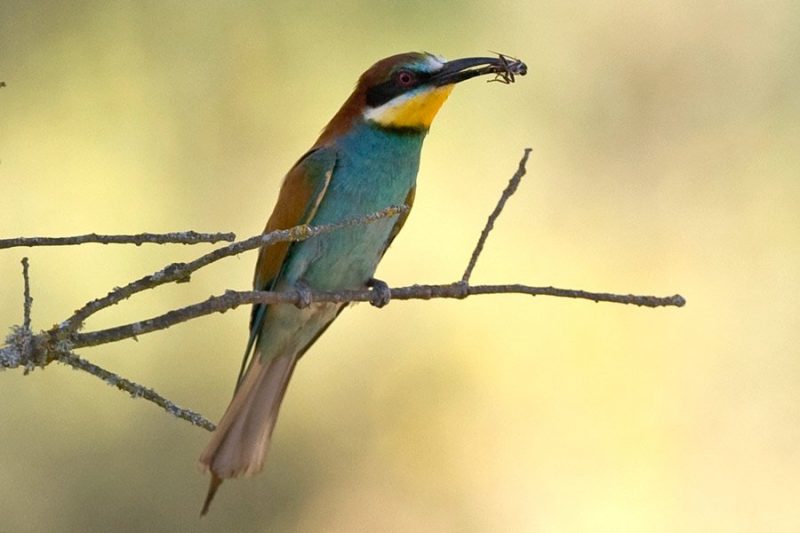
pixel 666 159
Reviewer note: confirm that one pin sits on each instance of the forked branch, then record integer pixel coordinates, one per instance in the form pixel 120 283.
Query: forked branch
pixel 29 350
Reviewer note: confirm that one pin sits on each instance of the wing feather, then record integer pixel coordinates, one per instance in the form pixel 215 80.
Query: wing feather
pixel 301 193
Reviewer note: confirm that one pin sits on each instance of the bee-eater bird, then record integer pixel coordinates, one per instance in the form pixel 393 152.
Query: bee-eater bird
pixel 365 160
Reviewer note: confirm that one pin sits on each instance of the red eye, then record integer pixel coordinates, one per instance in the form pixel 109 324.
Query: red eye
pixel 405 78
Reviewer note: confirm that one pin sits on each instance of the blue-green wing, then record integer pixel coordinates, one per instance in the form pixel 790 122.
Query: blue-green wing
pixel 302 191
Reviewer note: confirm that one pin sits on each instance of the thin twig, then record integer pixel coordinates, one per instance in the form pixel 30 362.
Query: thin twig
pixel 28 301
pixel 135 390
pixel 25 349
pixel 182 271
pixel 21 345
pixel 182 237
pixel 510 189
pixel 233 299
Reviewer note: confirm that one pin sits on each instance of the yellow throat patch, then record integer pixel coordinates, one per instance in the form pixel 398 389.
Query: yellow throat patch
pixel 410 110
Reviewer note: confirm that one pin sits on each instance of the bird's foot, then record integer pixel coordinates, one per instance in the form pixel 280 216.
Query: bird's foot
pixel 381 293
pixel 303 295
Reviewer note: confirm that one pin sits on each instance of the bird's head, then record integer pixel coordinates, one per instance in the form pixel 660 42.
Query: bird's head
pixel 405 91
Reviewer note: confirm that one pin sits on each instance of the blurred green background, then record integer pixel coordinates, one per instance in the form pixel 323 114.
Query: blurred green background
pixel 666 159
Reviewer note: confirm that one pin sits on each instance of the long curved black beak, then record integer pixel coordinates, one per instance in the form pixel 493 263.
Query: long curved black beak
pixel 458 70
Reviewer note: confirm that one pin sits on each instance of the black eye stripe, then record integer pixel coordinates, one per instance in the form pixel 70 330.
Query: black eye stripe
pixel 377 95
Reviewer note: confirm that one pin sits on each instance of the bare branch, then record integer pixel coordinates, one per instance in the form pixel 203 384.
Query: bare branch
pixel 18 350
pixel 233 299
pixel 510 189
pixel 23 348
pixel 178 272
pixel 28 301
pixel 182 237
pixel 135 390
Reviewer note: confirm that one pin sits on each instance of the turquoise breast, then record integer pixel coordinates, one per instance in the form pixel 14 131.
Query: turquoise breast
pixel 375 168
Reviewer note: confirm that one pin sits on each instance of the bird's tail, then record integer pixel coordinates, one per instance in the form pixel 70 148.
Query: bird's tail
pixel 239 444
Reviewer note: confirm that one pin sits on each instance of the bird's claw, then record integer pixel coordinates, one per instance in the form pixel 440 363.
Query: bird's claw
pixel 381 293
pixel 303 295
